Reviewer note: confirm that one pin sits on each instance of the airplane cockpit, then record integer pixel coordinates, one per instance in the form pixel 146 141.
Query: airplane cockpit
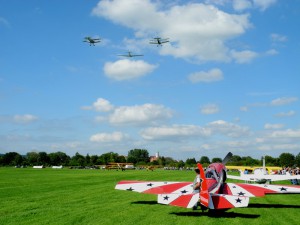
pixel 211 173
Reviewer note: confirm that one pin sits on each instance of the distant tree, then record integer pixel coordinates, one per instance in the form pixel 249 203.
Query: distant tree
pixel 249 161
pixel 216 160
pixel 204 160
pixel 270 161
pixel 180 164
pixel 32 158
pixel 121 159
pixel 105 158
pixel 43 158
pixel 94 159
pixel 235 161
pixel 155 163
pixel 19 160
pixel 169 161
pixel 12 159
pixel 59 158
pixel 88 160
pixel 287 159
pixel 138 155
pixel 190 162
pixel 297 159
pixel 161 161
pixel 110 157
pixel 78 160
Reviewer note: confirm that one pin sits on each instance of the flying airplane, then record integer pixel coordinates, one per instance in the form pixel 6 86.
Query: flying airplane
pixel 91 41
pixel 159 41
pixel 215 193
pixel 129 54
pixel 260 175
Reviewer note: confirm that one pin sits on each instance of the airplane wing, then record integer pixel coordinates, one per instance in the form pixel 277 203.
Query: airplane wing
pixel 186 201
pixel 259 190
pixel 164 41
pixel 156 187
pixel 253 177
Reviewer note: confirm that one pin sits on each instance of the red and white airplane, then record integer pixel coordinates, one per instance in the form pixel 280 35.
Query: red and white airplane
pixel 215 193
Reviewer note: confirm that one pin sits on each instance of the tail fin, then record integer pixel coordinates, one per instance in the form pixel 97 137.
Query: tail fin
pixel 204 195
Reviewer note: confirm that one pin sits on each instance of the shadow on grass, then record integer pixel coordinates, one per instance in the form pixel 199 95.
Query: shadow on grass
pixel 145 202
pixel 217 214
pixel 278 206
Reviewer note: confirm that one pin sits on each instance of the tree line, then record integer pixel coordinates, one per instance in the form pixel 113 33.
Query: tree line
pixel 139 157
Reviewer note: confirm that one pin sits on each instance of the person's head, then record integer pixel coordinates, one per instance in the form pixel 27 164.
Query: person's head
pixel 197 171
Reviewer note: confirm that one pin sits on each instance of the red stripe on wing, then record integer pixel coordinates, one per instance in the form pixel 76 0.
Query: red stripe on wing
pixel 182 201
pixel 130 181
pixel 167 189
pixel 257 191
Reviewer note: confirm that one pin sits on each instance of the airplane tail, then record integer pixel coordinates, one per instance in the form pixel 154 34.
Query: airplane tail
pixel 218 201
pixel 204 195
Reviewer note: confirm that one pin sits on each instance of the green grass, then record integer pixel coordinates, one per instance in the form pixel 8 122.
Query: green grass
pixel 48 196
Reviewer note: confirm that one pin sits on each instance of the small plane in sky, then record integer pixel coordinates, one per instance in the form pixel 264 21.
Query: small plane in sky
pixel 214 194
pixel 261 175
pixel 159 41
pixel 129 54
pixel 91 41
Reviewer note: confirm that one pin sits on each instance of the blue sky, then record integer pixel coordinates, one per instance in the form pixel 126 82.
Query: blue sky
pixel 228 80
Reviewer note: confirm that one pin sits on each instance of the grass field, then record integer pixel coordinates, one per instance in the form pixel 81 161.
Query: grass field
pixel 48 196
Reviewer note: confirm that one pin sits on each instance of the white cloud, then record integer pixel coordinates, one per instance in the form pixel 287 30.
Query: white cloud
pixel 103 105
pixel 243 56
pixel 271 52
pixel 227 129
pixel 140 114
pixel 197 31
pixel 27 118
pixel 100 105
pixel 283 101
pixel 286 114
pixel 278 38
pixel 179 132
pixel 244 108
pixel 279 141
pixel 174 132
pixel 210 109
pixel 273 126
pixel 212 75
pixel 276 102
pixel 263 4
pixel 127 69
pixel 240 5
pixel 108 137
pixel 289 133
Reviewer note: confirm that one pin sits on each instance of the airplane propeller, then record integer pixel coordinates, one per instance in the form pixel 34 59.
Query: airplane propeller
pixel 227 158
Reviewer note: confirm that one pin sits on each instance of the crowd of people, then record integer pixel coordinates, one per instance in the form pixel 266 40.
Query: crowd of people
pixel 290 171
